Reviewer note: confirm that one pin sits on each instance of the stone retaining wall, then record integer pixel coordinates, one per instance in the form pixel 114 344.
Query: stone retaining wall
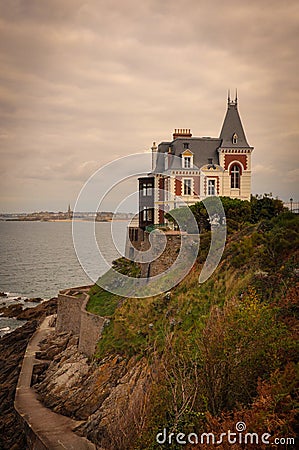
pixel 160 262
pixel 73 317
pixel 69 313
pixel 91 327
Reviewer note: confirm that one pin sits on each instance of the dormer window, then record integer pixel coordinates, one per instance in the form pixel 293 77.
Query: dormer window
pixel 187 159
pixel 187 162
pixel 235 138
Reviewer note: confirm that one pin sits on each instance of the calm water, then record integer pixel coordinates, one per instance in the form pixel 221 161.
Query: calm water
pixel 37 259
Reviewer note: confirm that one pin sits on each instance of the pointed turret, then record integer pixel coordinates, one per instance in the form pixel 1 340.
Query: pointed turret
pixel 232 133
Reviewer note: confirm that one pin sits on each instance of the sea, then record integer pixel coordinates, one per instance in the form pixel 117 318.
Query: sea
pixel 38 259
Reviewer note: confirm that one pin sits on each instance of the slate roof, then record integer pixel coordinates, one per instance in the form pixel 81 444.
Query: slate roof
pixel 204 148
pixel 232 124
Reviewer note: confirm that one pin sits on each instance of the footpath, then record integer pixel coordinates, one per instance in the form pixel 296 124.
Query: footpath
pixel 47 430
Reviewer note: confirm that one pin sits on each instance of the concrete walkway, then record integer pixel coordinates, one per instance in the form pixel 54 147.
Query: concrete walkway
pixel 53 431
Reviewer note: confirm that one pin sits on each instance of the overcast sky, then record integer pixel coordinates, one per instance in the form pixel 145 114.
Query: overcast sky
pixel 85 82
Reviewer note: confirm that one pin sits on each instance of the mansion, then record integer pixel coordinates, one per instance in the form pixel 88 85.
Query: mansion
pixel 187 169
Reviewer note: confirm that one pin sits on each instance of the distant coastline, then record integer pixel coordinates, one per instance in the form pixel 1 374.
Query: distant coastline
pixel 45 216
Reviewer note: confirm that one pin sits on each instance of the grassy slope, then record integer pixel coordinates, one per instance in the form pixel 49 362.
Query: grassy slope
pixel 229 334
pixel 104 303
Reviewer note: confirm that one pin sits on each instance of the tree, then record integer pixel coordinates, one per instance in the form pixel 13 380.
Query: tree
pixel 265 207
pixel 183 219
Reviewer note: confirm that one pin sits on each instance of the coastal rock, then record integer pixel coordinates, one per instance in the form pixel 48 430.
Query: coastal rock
pixel 123 412
pixel 12 348
pixel 110 394
pixel 33 300
pixel 71 385
pixel 37 311
pixel 53 345
pixel 39 370
pixel 11 310
pixel 17 311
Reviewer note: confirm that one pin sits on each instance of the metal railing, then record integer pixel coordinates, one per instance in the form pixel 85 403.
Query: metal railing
pixel 292 206
pixel 156 226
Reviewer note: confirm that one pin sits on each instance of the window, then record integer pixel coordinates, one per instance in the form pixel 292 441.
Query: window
pixel 187 159
pixel 211 187
pixel 188 186
pixel 210 160
pixel 187 162
pixel 147 189
pixel 186 145
pixel 235 177
pixel 147 215
pixel 235 138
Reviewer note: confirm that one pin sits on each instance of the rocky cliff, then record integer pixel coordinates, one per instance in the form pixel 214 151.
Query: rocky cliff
pixel 199 358
pixel 108 396
pixel 12 348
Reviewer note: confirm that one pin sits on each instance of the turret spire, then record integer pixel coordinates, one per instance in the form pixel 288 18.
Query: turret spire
pixel 232 131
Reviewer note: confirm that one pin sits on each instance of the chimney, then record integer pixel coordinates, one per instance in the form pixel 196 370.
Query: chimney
pixel 154 155
pixel 182 133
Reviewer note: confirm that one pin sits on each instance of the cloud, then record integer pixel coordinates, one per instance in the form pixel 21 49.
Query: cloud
pixel 85 82
pixel 263 169
pixel 65 170
pixel 293 176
